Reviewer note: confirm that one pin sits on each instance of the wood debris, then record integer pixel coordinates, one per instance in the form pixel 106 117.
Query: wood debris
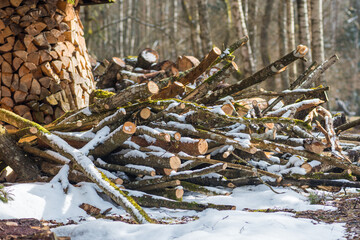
pixel 172 127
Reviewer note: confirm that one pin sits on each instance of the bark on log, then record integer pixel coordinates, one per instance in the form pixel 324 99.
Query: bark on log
pixel 176 176
pixel 153 159
pixel 114 140
pixel 130 94
pixel 148 200
pixel 83 163
pixel 14 157
pixel 109 78
pixel 259 76
pixel 129 168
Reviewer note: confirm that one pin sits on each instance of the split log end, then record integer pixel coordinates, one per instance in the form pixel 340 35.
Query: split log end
pixel 175 162
pixel 129 128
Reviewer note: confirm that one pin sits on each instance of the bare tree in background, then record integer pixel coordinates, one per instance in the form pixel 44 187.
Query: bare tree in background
pixel 264 40
pixel 205 36
pixel 191 23
pixel 291 35
pixel 283 41
pixel 304 31
pixel 241 30
pixel 317 41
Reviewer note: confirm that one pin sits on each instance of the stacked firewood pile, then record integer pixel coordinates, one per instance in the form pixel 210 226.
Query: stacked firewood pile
pixel 44 64
pixel 141 143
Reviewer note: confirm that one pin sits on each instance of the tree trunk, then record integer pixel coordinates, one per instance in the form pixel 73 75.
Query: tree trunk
pixel 264 41
pixel 317 41
pixel 241 30
pixel 190 21
pixel 283 41
pixel 304 29
pixel 206 43
pixel 291 35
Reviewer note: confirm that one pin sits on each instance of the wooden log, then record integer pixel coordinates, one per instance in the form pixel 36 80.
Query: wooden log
pixel 108 79
pixel 152 159
pixel 173 183
pixel 25 168
pixel 175 193
pixel 177 176
pixel 297 83
pixel 309 155
pixel 141 91
pixel 204 64
pixel 259 76
pixel 184 63
pixel 187 145
pixel 211 82
pixel 203 190
pixel 146 58
pixel 116 117
pixel 73 176
pixel 84 164
pixel 114 140
pixel 129 168
pixel 148 200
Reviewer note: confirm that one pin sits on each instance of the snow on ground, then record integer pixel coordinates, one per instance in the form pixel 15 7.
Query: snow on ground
pixel 47 201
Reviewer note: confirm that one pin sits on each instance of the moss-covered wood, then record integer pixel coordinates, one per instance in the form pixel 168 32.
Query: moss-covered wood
pixel 16 158
pixel 153 159
pixel 114 140
pixel 148 200
pixel 176 176
pixel 259 76
pixel 83 163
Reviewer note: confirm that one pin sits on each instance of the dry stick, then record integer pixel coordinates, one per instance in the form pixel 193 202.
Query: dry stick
pixel 130 168
pixel 309 155
pixel 347 126
pixel 148 200
pixel 130 94
pixel 177 176
pixel 83 163
pixel 258 77
pixel 297 83
pixel 211 82
pixel 114 139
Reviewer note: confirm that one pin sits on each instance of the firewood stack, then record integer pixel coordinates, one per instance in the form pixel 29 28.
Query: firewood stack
pixel 140 141
pixel 45 69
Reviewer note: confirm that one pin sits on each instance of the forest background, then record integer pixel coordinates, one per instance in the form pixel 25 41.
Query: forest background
pixel 186 27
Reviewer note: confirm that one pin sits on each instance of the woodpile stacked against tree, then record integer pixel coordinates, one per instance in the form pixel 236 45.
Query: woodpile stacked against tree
pixel 141 141
pixel 45 68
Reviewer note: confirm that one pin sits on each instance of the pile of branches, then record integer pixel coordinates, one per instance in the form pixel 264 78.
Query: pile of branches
pixel 144 147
